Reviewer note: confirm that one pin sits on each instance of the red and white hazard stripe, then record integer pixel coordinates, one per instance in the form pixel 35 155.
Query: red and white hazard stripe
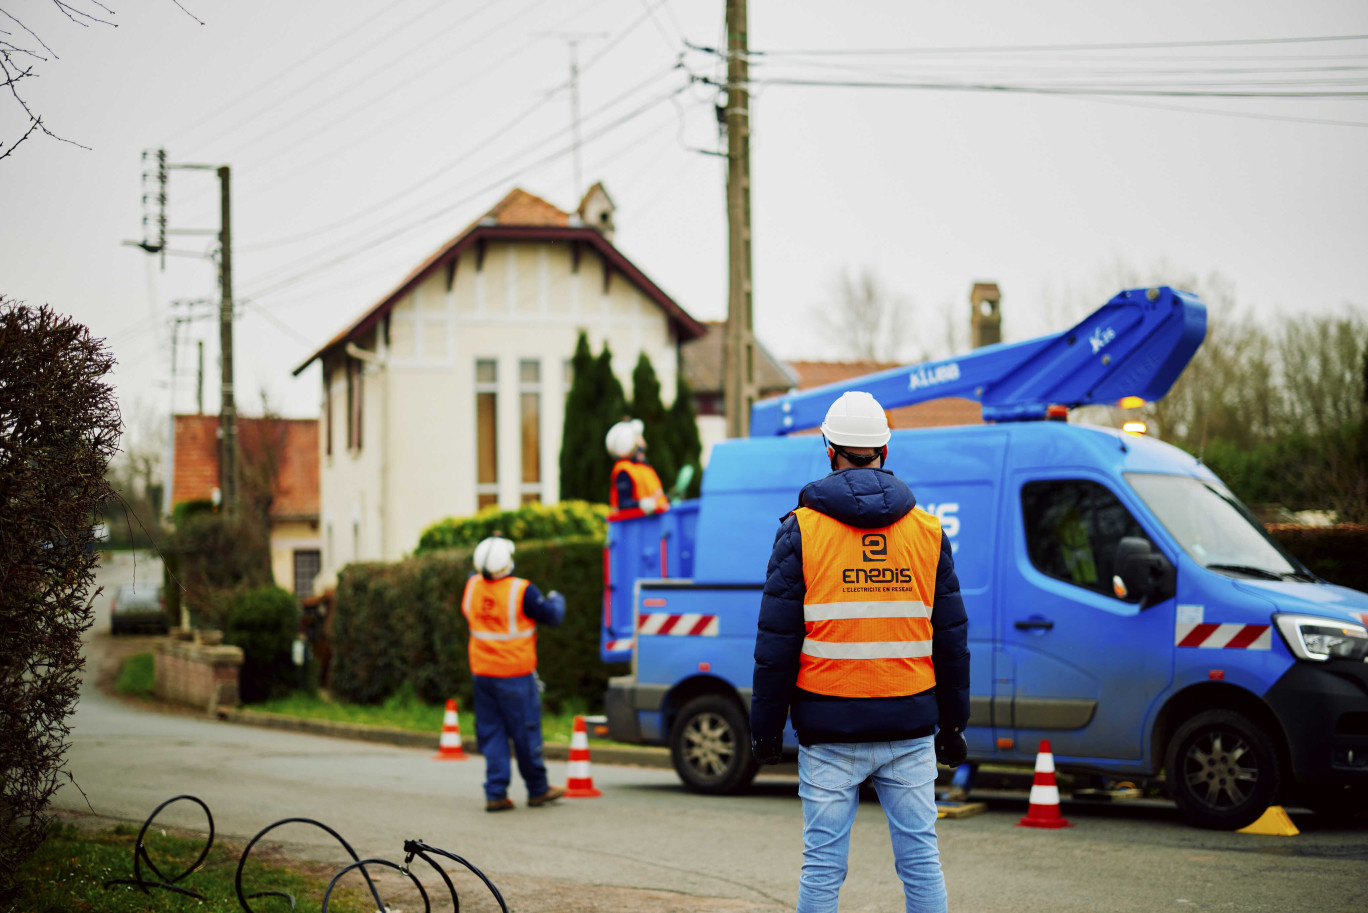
pixel 1224 637
pixel 614 646
pixel 688 625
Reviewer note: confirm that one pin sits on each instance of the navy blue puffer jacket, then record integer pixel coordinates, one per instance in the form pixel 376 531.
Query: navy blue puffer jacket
pixel 865 499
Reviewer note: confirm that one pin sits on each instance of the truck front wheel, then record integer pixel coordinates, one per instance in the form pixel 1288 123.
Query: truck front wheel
pixel 710 746
pixel 1222 770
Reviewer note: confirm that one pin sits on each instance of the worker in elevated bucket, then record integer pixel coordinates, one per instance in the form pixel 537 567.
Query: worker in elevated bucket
pixel 503 612
pixel 633 481
pixel 862 640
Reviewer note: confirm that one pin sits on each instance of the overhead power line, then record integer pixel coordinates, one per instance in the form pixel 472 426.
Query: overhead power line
pixel 501 181
pixel 1037 48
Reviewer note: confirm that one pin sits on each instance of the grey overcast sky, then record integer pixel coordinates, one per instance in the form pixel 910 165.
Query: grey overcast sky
pixel 362 135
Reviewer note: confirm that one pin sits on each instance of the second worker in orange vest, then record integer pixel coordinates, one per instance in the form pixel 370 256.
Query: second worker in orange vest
pixel 862 640
pixel 633 483
pixel 503 612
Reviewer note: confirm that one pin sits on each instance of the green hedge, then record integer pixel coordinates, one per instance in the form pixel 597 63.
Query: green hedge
pixel 264 623
pixel 401 623
pixel 566 520
pixel 1333 552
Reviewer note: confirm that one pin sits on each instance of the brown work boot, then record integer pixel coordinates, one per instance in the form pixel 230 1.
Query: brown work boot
pixel 551 795
pixel 499 805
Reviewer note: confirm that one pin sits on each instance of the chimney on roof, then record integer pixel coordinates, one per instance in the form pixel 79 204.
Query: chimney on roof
pixel 596 211
pixel 985 321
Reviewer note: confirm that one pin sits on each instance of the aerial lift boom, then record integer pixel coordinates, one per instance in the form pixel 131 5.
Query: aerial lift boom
pixel 1135 345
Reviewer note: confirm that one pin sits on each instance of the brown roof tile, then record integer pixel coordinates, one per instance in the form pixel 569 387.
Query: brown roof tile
pixel 196 470
pixel 702 364
pixel 950 410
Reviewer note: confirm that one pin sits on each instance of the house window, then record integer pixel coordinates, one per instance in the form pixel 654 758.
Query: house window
pixel 529 393
pixel 307 564
pixel 355 396
pixel 327 412
pixel 486 432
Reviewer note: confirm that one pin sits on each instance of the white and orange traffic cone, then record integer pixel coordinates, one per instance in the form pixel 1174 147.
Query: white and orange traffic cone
pixel 449 747
pixel 579 782
pixel 1044 809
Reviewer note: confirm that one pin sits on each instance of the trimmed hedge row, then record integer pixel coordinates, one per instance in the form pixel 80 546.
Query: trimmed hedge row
pixel 401 623
pixel 566 520
pixel 1336 553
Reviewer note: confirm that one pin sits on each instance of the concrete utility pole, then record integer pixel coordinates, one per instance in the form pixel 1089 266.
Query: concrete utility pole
pixel 227 409
pixel 738 350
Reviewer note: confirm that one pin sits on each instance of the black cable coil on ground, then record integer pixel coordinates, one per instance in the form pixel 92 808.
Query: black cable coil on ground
pixel 412 849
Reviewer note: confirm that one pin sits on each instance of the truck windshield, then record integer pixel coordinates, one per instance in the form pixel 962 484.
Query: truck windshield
pixel 1213 527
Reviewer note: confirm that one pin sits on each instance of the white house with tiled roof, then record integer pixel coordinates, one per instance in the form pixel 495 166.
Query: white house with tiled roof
pixel 448 394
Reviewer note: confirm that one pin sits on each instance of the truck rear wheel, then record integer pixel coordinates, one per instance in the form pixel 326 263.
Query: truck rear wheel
pixel 710 746
pixel 1222 770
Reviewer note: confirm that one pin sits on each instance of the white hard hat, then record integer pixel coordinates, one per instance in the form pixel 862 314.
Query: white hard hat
pixel 622 437
pixel 856 420
pixel 494 557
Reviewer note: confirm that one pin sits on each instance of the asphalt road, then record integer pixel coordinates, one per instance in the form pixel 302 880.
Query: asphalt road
pixel 647 844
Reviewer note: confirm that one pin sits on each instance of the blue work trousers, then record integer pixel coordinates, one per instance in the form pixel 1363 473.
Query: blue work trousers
pixel 904 775
pixel 509 708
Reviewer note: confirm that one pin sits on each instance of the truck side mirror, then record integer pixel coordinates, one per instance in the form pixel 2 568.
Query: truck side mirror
pixel 1141 572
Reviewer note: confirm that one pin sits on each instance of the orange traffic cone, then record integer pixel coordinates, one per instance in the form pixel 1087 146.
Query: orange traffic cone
pixel 449 748
pixel 579 783
pixel 1044 809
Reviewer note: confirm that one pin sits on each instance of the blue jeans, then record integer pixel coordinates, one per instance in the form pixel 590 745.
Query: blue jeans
pixel 904 774
pixel 509 708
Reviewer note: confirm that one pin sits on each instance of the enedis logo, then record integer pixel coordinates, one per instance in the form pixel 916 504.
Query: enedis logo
pixel 875 549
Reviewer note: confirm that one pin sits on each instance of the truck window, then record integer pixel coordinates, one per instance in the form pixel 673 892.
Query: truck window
pixel 1214 528
pixel 1072 529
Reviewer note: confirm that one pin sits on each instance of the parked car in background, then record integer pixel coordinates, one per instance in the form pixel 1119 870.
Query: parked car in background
pixel 138 606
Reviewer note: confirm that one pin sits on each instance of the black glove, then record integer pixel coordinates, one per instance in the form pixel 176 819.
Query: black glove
pixel 768 751
pixel 951 749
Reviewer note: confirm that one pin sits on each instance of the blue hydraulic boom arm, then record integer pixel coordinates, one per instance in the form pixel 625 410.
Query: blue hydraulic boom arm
pixel 1134 345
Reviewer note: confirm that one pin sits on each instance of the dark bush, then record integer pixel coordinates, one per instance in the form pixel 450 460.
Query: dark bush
pixel 402 622
pixel 566 520
pixel 264 623
pixel 59 426
pixel 215 558
pixel 1335 553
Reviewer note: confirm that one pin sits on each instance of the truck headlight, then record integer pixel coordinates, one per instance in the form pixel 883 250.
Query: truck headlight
pixel 1318 639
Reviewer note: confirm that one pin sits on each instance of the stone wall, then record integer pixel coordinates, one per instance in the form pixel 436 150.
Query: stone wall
pixel 200 675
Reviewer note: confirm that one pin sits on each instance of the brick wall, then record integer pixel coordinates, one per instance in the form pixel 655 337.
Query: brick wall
pixel 198 675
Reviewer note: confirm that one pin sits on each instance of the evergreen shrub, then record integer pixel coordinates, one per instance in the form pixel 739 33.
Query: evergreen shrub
pixel 568 519
pixel 264 623
pixel 400 624
pixel 1332 552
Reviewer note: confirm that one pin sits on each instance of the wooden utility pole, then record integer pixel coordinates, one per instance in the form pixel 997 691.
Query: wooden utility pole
pixel 227 409
pixel 738 350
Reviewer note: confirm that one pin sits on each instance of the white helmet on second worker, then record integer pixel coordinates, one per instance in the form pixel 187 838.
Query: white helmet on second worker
pixel 622 438
pixel 856 420
pixel 494 557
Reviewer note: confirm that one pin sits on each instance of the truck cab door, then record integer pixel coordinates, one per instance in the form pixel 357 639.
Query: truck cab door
pixel 1087 665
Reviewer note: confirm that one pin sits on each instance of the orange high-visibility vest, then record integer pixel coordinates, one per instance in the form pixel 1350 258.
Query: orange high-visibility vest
pixel 867 609
pixel 503 641
pixel 645 484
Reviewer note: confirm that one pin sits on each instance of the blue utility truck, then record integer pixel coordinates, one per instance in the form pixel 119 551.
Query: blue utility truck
pixel 1122 603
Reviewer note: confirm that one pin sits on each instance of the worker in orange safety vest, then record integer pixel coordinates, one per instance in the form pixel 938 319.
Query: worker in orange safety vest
pixel 862 643
pixel 503 612
pixel 634 484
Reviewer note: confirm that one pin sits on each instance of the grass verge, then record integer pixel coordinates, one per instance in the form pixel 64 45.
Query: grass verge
pixel 137 675
pixel 68 872
pixel 407 712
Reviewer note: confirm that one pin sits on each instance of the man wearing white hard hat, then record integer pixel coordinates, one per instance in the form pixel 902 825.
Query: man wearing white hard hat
pixel 503 612
pixel 862 642
pixel 633 482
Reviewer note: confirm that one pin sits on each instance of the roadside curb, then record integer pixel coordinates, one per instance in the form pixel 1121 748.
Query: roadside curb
pixel 604 754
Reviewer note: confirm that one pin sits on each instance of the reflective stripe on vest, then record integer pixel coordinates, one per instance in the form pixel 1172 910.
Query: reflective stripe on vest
pixel 503 641
pixel 867 606
pixel 645 481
